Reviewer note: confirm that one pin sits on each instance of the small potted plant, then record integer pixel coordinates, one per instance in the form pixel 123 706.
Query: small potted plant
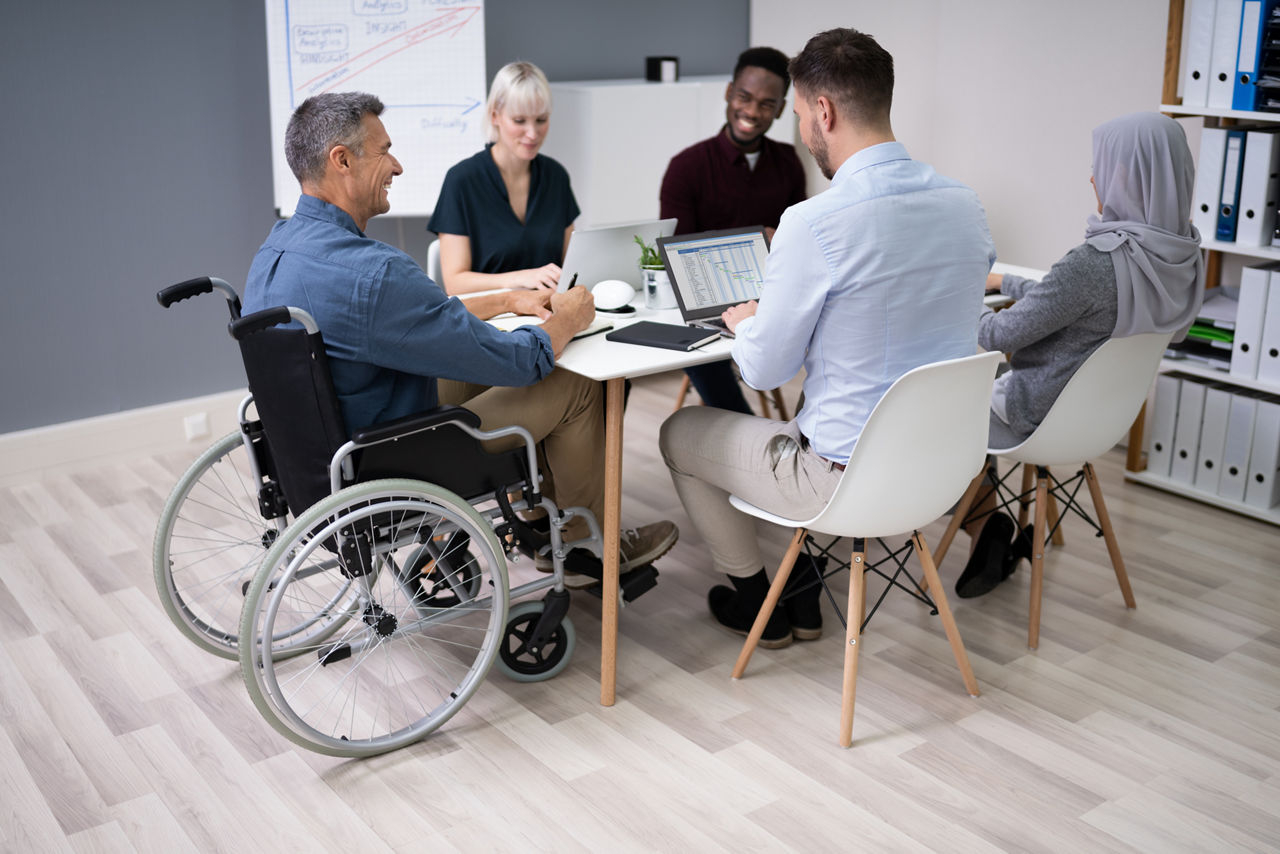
pixel 654 279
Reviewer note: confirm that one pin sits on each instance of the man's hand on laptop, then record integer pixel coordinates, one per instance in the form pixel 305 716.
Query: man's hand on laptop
pixel 738 313
pixel 533 303
pixel 572 312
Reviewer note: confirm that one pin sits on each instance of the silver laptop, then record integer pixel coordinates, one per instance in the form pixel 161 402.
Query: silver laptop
pixel 712 271
pixel 597 254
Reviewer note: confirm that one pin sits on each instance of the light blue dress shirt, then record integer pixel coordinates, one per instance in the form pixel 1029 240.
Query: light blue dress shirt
pixel 389 331
pixel 880 274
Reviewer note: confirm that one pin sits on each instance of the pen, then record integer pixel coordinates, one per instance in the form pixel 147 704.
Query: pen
pixel 572 282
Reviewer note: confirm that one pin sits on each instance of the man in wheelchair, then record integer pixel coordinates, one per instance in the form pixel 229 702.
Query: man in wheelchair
pixel 390 332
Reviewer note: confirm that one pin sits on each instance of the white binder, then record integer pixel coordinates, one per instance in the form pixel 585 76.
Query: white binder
pixel 1250 315
pixel 1235 450
pixel 1199 45
pixel 1208 189
pixel 1164 416
pixel 1213 437
pixel 1264 458
pixel 1269 349
pixel 1222 60
pixel 1259 189
pixel 1186 433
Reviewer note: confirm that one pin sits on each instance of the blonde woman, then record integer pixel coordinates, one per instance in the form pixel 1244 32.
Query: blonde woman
pixel 505 214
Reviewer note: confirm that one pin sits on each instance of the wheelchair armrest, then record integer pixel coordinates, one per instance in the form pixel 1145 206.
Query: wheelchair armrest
pixel 415 423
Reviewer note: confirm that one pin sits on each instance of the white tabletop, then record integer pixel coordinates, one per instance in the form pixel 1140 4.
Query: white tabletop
pixel 598 358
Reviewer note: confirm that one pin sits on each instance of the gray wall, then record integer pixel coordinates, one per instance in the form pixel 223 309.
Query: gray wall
pixel 140 156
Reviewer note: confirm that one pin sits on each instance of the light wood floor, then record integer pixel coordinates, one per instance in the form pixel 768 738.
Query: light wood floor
pixel 1150 730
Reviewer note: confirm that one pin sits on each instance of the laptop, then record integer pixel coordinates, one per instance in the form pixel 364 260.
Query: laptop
pixel 597 254
pixel 712 271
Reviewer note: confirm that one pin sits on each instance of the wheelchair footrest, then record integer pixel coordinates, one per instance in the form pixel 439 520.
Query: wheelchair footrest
pixel 632 584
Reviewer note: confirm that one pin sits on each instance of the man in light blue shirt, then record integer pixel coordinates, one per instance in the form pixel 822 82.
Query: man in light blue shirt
pixel 878 275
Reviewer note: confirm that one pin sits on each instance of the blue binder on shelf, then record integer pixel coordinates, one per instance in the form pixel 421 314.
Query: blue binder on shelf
pixel 1253 20
pixel 1228 205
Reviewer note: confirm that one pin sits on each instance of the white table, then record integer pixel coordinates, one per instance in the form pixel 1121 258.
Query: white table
pixel 612 363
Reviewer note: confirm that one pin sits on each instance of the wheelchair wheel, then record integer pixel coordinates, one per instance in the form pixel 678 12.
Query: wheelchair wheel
pixel 209 542
pixel 522 664
pixel 408 657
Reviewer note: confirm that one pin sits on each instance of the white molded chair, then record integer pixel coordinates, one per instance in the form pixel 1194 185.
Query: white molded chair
pixel 920 447
pixel 1096 407
pixel 433 263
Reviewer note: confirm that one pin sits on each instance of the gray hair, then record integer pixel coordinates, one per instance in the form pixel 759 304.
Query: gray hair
pixel 519 86
pixel 322 122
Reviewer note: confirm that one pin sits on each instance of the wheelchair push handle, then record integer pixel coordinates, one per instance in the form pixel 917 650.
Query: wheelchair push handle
pixel 269 317
pixel 201 285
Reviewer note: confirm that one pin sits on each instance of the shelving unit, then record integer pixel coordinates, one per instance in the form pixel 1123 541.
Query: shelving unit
pixel 1136 465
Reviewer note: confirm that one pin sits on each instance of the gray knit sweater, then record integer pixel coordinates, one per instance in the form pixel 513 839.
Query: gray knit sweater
pixel 1053 327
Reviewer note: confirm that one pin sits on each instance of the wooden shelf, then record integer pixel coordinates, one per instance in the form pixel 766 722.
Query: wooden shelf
pixel 1271 515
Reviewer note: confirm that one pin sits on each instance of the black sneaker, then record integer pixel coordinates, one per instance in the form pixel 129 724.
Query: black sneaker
pixel 736 607
pixel 802 597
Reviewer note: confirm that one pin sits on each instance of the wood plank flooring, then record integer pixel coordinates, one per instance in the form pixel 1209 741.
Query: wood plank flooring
pixel 1149 730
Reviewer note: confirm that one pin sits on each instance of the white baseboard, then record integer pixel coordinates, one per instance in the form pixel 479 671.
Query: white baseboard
pixel 27 454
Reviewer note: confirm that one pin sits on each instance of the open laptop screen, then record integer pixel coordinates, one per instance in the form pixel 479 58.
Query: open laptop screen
pixel 713 270
pixel 610 252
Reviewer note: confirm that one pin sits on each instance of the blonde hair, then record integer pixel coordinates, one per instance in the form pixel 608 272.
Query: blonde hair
pixel 517 87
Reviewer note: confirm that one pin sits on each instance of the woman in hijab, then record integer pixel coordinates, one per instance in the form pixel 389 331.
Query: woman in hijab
pixel 1138 270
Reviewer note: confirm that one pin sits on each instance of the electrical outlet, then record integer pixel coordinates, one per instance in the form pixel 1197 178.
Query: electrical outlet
pixel 196 426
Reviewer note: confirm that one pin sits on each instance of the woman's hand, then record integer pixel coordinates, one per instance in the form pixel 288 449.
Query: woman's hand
pixel 539 278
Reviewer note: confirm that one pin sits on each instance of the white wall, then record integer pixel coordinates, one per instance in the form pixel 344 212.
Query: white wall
pixel 1003 94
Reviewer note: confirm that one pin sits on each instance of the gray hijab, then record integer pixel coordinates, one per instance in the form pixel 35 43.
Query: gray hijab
pixel 1144 174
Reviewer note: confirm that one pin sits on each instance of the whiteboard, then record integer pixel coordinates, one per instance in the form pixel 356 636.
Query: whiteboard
pixel 423 58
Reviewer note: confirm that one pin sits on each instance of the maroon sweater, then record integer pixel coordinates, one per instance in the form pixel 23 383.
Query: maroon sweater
pixel 709 185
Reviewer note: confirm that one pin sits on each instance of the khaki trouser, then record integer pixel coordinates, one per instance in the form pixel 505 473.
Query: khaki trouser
pixel 713 453
pixel 565 414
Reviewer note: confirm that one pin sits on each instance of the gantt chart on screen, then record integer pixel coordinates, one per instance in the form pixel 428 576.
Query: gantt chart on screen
pixel 719 273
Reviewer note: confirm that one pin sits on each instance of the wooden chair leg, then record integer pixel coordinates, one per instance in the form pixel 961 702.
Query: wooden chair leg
pixel 1037 560
pixel 944 611
pixel 685 385
pixel 852 638
pixel 779 404
pixel 957 517
pixel 1024 503
pixel 764 403
pixel 770 602
pixel 1058 538
pixel 1109 534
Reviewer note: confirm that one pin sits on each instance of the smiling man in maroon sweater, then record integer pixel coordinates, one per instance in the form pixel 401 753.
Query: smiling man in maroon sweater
pixel 739 177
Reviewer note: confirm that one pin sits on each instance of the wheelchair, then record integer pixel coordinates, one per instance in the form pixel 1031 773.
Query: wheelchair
pixel 380 608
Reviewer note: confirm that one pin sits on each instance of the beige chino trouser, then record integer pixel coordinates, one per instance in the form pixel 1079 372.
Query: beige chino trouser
pixel 713 453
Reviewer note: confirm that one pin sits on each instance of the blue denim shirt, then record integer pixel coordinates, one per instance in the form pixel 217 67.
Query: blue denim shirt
pixel 388 329
pixel 878 275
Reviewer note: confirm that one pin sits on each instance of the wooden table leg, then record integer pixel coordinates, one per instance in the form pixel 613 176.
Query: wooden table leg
pixel 611 524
